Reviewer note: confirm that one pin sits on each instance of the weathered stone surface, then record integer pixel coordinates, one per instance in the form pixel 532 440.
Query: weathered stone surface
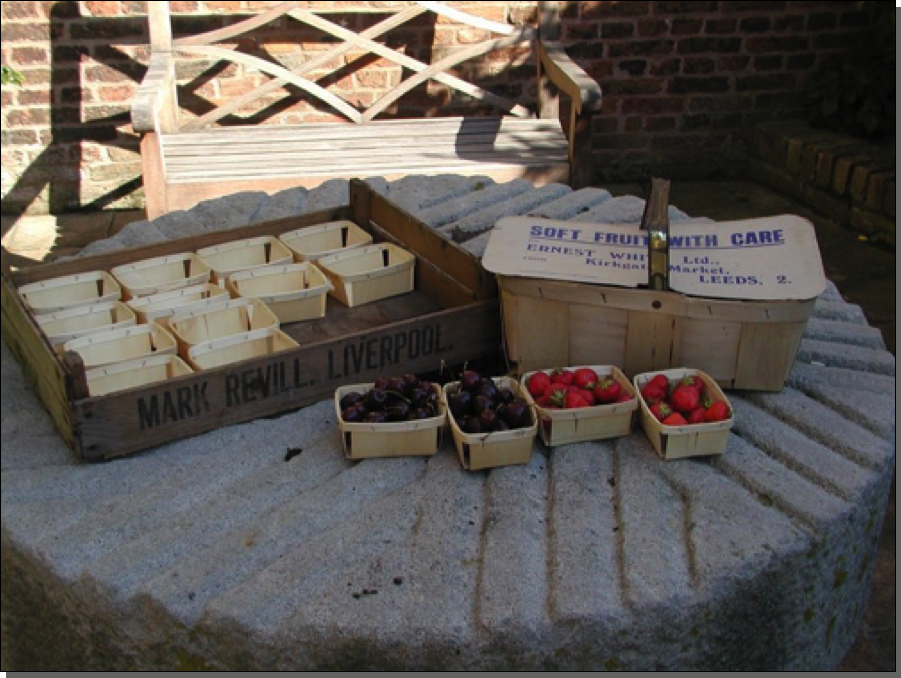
pixel 485 219
pixel 287 203
pixel 229 211
pixel 215 553
pixel 443 214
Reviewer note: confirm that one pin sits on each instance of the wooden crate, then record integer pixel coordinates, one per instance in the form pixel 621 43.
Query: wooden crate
pixel 293 292
pixel 160 307
pixel 558 308
pixel 127 343
pixel 420 438
pixel 81 321
pixel 694 440
pixel 451 316
pixel 560 427
pixel 478 451
pixel 205 324
pixel 314 242
pixel 365 274
pixel 81 289
pixel 241 255
pixel 130 374
pixel 237 348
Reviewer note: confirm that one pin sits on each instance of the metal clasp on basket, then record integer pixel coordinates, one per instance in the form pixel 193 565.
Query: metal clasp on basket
pixel 655 221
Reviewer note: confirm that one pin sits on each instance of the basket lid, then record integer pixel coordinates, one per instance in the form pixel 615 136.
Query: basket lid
pixel 773 258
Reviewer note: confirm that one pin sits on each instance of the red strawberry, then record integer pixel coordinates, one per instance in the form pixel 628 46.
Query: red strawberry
pixel 661 410
pixel 661 381
pixel 696 416
pixel 718 411
pixel 555 394
pixel 584 376
pixel 573 401
pixel 607 390
pixel 684 399
pixel 537 383
pixel 588 396
pixel 652 393
pixel 623 398
pixel 675 419
pixel 695 382
pixel 561 375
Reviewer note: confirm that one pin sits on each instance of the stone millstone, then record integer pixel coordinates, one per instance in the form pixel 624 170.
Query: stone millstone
pixel 215 552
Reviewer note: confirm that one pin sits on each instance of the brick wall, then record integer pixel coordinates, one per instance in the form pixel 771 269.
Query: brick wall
pixel 683 81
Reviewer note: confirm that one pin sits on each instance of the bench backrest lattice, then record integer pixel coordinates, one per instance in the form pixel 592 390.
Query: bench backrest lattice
pixel 155 109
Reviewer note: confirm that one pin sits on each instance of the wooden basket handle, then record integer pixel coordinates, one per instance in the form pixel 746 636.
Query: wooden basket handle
pixel 656 222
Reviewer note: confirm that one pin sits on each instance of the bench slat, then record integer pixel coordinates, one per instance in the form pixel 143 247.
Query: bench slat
pixel 444 142
pixel 241 157
pixel 346 131
pixel 263 165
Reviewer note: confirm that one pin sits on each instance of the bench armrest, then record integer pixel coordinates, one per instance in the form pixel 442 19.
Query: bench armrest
pixel 152 109
pixel 569 77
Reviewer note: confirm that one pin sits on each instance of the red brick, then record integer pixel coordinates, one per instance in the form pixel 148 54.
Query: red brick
pixel 820 21
pixel 30 56
pixel 736 62
pixel 682 7
pixel 633 66
pixel 634 86
pixel 102 8
pixel 749 83
pixel 788 23
pixel 653 105
pixel 586 31
pixel 685 26
pixel 660 124
pixel 651 28
pixel 632 124
pixel 700 45
pixel 730 102
pixel 117 93
pixel 640 48
pixel 21 32
pixel 107 29
pixel 619 141
pixel 666 67
pixel 20 10
pixel 754 24
pixel 617 29
pixel 680 85
pixel 768 62
pixel 597 10
pixel 720 25
pixel 788 43
pixel 29 97
pixel 28 117
pixel 698 65
pixel 230 6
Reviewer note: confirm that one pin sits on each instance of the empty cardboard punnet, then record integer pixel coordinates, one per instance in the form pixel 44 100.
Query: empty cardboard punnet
pixel 314 242
pixel 133 373
pixel 161 274
pixel 127 343
pixel 81 289
pixel 238 347
pixel 738 299
pixel 293 292
pixel 204 324
pixel 160 307
pixel 240 255
pixel 365 274
pixel 63 326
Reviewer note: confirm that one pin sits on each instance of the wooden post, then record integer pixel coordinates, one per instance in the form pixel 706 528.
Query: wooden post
pixel 160 29
pixel 154 176
pixel 548 30
pixel 580 156
pixel 79 384
pixel 360 203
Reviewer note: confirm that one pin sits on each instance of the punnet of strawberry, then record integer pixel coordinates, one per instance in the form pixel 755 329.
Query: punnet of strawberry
pixel 683 401
pixel 571 388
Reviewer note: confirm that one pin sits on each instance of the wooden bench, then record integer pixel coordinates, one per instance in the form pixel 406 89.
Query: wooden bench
pixel 186 160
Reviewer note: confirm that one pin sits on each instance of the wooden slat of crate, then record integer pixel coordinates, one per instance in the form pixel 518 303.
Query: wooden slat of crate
pixel 283 382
